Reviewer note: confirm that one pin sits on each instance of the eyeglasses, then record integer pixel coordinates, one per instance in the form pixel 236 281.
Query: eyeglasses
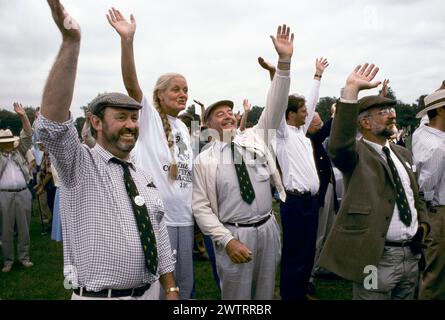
pixel 384 112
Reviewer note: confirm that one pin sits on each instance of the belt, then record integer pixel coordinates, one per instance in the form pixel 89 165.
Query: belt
pixel 305 194
pixel 247 225
pixel 13 190
pixel 113 293
pixel 405 243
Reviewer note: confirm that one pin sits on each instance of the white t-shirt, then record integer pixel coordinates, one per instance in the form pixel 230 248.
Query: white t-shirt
pixel 153 155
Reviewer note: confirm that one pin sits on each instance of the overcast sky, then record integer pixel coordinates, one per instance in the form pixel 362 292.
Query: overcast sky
pixel 215 44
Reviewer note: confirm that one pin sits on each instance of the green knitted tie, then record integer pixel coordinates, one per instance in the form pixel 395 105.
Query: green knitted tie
pixel 245 185
pixel 143 222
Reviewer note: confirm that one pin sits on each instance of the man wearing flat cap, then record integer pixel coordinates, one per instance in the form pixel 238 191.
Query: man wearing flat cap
pixel 429 157
pixel 115 240
pixel 375 239
pixel 232 198
pixel 15 197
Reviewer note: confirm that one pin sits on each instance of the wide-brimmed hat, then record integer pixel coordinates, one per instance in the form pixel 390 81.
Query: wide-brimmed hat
pixel 113 100
pixel 369 102
pixel 7 136
pixel 432 101
pixel 219 103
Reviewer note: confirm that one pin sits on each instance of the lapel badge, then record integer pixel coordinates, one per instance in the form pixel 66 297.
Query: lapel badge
pixel 139 200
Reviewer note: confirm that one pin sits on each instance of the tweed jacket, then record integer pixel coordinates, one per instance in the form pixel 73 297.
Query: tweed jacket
pixel 257 140
pixel 358 236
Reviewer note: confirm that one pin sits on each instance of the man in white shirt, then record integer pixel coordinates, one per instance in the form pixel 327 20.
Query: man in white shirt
pixel 299 213
pixel 429 157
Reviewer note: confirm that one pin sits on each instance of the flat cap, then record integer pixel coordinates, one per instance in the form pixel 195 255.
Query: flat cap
pixel 368 102
pixel 209 109
pixel 114 100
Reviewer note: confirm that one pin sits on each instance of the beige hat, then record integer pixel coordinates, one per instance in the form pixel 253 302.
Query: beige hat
pixel 7 136
pixel 432 101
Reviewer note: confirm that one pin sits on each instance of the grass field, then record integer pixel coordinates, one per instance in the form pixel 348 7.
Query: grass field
pixel 44 281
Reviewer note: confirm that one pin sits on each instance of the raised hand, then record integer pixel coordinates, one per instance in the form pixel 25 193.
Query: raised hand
pixel 19 109
pixel 238 116
pixel 360 79
pixel 320 65
pixel 124 28
pixel 283 42
pixel 385 88
pixel 68 27
pixel 267 66
pixel 198 103
pixel 246 105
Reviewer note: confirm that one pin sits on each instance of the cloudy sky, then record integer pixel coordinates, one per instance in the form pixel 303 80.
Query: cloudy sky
pixel 215 44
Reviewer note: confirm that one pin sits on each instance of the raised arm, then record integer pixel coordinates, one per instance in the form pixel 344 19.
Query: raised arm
pixel 247 106
pixel 267 66
pixel 312 98
pixel 279 89
pixel 126 31
pixel 26 136
pixel 342 145
pixel 201 105
pixel 58 92
pixel 385 87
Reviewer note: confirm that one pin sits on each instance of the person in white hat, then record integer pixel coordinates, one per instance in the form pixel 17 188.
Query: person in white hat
pixel 429 157
pixel 15 197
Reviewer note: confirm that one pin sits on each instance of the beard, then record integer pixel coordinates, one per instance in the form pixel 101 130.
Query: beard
pixel 386 130
pixel 114 138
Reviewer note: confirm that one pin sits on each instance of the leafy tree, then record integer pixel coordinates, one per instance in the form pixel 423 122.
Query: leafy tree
pixel 10 120
pixel 191 109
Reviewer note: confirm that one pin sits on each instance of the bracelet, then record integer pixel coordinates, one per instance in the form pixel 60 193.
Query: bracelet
pixel 317 76
pixel 172 289
pixel 284 60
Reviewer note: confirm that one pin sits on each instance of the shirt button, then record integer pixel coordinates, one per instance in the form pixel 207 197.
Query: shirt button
pixel 386 218
pixel 383 235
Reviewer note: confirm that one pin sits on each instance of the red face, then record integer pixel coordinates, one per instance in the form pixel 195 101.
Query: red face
pixel 382 121
pixel 119 131
pixel 222 120
pixel 174 99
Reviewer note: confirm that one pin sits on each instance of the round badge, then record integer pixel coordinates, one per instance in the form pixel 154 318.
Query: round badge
pixel 139 200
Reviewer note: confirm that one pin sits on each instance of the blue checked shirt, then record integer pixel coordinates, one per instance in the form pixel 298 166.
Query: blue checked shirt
pixel 101 244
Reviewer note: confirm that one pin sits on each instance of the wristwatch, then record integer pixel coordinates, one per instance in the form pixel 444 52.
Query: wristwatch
pixel 172 289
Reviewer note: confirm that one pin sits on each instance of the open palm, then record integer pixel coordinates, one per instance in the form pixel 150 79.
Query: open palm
pixel 120 24
pixel 284 42
pixel 362 76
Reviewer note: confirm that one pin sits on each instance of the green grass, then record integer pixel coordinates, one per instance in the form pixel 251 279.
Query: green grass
pixel 44 281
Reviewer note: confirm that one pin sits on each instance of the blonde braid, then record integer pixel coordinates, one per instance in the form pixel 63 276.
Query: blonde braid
pixel 173 171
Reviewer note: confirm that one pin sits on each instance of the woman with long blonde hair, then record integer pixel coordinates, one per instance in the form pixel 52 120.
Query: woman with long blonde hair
pixel 163 150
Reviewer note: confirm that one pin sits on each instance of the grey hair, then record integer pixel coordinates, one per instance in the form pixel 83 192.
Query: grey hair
pixel 361 116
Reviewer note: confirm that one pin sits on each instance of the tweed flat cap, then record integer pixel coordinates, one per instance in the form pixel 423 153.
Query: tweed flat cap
pixel 368 102
pixel 114 100
pixel 214 105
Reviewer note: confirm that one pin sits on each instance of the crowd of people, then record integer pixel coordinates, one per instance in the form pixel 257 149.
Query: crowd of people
pixel 128 197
